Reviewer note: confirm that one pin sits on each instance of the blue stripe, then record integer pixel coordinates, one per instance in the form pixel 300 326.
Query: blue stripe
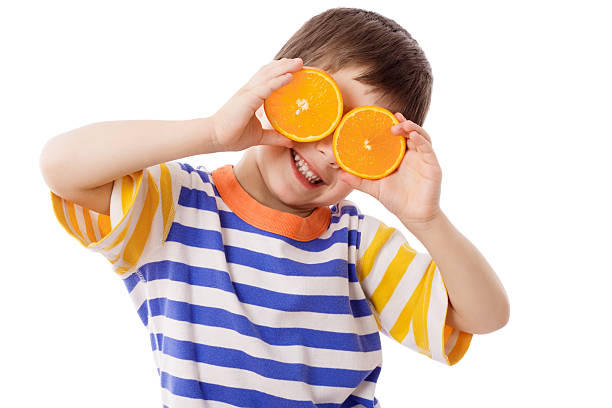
pixel 212 278
pixel 285 266
pixel 296 303
pixel 239 397
pixel 250 294
pixel 353 400
pixel 143 313
pixel 352 273
pixel 194 198
pixel 232 358
pixel 279 336
pixel 347 209
pixel 203 175
pixel 199 199
pixel 195 237
pixel 360 308
pixel 373 377
pixel 231 220
pixel 193 275
pixel 131 281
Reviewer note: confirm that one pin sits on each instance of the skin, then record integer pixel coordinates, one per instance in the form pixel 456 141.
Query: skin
pixel 265 171
pixel 477 300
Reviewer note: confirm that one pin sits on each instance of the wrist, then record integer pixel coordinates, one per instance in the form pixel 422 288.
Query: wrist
pixel 435 221
pixel 206 137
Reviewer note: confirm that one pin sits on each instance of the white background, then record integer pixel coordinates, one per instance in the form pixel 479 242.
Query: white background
pixel 520 122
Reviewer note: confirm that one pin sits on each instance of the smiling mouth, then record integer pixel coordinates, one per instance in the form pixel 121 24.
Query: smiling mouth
pixel 304 170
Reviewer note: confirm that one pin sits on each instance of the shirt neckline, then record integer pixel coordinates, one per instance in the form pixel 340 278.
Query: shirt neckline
pixel 266 218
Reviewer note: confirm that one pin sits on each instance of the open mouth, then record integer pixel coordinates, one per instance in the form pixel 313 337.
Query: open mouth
pixel 305 174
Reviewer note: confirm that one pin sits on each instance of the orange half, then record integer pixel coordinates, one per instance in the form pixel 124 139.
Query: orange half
pixel 306 109
pixel 364 145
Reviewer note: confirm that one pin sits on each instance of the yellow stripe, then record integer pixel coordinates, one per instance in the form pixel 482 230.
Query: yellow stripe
pixel 419 324
pixel 461 346
pixel 448 330
pixel 392 277
pixel 88 225
pixel 167 199
pixel 128 196
pixel 127 190
pixel 104 224
pixel 364 265
pixel 137 241
pixel 415 311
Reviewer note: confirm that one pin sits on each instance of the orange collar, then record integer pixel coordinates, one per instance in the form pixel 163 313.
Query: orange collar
pixel 266 218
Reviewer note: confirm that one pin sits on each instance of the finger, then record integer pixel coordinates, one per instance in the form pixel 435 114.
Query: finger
pixel 358 183
pixel 273 70
pixel 264 89
pixel 420 142
pixel 272 137
pixel 285 65
pixel 406 126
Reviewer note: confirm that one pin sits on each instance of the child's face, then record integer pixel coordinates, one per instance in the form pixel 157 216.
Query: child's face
pixel 278 170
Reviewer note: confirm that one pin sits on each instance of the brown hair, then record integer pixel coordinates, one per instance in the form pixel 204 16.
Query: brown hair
pixel 393 62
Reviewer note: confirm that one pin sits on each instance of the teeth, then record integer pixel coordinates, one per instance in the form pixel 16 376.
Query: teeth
pixel 304 169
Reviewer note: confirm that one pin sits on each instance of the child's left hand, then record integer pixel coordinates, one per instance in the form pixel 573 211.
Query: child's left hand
pixel 412 191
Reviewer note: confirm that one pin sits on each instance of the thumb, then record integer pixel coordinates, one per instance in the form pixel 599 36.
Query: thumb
pixel 272 137
pixel 358 183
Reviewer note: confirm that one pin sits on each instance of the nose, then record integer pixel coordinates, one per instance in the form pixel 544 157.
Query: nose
pixel 324 146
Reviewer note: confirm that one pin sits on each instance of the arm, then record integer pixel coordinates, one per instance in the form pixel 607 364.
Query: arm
pixel 478 302
pixel 81 165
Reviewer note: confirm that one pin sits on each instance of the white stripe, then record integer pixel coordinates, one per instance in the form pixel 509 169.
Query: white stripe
pixel 177 401
pixel 94 221
pixel 435 318
pixel 368 226
pixel 215 259
pixel 138 294
pixel 228 338
pixel 213 297
pixel 207 220
pixel 365 390
pixel 245 379
pixel 78 212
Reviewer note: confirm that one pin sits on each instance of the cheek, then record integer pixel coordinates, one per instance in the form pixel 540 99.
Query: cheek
pixel 339 191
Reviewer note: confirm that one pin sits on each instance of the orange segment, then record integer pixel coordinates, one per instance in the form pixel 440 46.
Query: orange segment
pixel 364 145
pixel 306 109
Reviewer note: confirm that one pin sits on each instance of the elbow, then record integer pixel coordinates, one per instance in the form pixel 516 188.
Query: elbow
pixel 497 318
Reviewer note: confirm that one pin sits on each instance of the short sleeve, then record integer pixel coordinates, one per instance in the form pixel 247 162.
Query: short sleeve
pixel 142 209
pixel 406 293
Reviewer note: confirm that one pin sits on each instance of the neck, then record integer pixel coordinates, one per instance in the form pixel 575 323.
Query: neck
pixel 250 179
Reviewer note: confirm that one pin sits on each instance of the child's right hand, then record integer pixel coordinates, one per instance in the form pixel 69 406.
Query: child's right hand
pixel 236 127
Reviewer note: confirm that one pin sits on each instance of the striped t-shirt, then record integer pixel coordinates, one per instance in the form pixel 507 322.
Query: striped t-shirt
pixel 248 306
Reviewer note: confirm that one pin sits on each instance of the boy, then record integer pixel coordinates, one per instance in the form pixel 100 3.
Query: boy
pixel 258 287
